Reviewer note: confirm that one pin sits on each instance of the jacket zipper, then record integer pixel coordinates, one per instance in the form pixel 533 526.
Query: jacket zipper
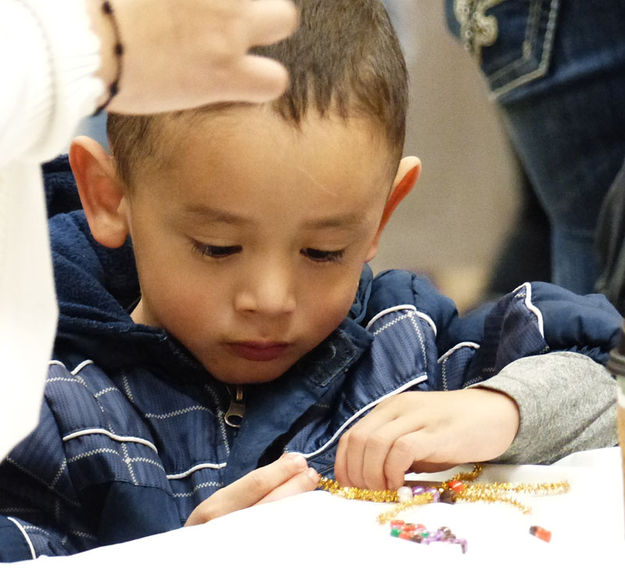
pixel 236 409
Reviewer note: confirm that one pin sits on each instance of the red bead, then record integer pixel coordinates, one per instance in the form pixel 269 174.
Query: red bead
pixel 540 532
pixel 456 486
pixel 395 523
pixel 405 535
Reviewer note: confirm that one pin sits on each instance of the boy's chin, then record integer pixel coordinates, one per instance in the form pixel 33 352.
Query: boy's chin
pixel 250 376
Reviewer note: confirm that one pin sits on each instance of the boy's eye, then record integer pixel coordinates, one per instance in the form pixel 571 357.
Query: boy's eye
pixel 213 251
pixel 323 255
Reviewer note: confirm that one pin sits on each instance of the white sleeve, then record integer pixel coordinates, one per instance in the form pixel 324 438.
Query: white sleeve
pixel 48 58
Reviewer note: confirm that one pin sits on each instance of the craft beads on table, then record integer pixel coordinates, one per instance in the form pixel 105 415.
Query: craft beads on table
pixel 419 533
pixel 540 532
pixel 404 494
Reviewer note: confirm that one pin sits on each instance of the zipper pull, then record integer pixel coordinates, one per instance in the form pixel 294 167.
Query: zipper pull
pixel 236 410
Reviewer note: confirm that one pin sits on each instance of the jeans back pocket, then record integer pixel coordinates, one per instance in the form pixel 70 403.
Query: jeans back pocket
pixel 511 39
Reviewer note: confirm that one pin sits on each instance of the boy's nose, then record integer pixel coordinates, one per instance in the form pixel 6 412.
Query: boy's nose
pixel 268 291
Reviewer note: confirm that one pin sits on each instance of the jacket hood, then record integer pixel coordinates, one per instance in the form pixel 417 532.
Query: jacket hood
pixel 96 288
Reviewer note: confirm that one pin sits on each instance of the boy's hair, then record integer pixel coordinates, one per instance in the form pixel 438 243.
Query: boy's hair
pixel 345 58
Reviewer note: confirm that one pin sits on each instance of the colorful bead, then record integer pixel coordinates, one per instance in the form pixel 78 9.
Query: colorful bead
pixel 418 533
pixel 456 486
pixel 418 490
pixel 540 532
pixel 404 494
pixel 447 496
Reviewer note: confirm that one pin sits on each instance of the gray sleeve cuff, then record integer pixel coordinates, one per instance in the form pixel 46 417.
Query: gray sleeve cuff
pixel 567 403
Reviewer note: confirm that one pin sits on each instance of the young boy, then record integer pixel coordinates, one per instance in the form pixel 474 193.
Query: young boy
pixel 252 326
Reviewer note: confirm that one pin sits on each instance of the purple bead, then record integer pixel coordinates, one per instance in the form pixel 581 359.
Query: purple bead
pixel 435 494
pixel 418 490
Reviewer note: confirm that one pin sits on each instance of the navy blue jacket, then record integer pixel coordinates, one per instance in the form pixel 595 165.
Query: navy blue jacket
pixel 132 434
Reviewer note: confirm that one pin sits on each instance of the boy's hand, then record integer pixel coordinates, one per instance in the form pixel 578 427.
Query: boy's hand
pixel 425 431
pixel 287 476
pixel 181 54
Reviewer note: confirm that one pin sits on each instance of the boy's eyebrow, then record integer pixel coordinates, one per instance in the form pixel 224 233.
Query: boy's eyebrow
pixel 339 221
pixel 213 214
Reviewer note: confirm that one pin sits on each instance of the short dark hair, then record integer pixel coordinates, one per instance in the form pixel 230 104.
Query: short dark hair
pixel 345 58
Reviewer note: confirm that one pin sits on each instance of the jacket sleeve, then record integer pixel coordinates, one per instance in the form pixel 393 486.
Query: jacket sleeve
pixel 39 509
pixel 535 319
pixel 545 347
pixel 567 403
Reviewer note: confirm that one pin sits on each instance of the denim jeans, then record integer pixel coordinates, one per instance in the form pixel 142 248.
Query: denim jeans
pixel 557 70
pixel 611 244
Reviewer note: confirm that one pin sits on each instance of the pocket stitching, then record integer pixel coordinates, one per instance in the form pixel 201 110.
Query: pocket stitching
pixel 543 64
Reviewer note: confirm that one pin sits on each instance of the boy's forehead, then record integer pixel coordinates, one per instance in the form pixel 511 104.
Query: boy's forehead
pixel 244 167
pixel 256 136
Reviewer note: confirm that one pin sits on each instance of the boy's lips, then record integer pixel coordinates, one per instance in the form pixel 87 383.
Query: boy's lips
pixel 259 351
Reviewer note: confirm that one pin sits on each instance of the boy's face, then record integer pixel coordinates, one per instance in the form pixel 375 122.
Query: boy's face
pixel 250 242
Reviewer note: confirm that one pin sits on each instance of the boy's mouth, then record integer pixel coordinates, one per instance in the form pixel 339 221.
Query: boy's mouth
pixel 259 351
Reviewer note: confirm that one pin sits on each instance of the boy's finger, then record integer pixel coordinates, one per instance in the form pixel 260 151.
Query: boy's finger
pixel 271 21
pixel 404 452
pixel 353 445
pixel 351 452
pixel 392 437
pixel 303 482
pixel 340 466
pixel 376 454
pixel 248 490
pixel 256 485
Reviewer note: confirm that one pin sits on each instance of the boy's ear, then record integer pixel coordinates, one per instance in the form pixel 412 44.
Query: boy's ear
pixel 407 174
pixel 101 192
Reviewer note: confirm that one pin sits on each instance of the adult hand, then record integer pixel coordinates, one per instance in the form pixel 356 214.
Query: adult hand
pixel 180 54
pixel 425 431
pixel 287 476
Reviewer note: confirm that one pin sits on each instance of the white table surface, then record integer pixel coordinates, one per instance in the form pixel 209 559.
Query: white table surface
pixel 318 531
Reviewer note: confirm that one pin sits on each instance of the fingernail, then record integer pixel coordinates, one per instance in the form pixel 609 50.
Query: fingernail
pixel 297 460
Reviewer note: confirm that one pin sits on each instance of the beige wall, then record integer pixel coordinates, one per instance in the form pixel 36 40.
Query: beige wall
pixel 453 223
